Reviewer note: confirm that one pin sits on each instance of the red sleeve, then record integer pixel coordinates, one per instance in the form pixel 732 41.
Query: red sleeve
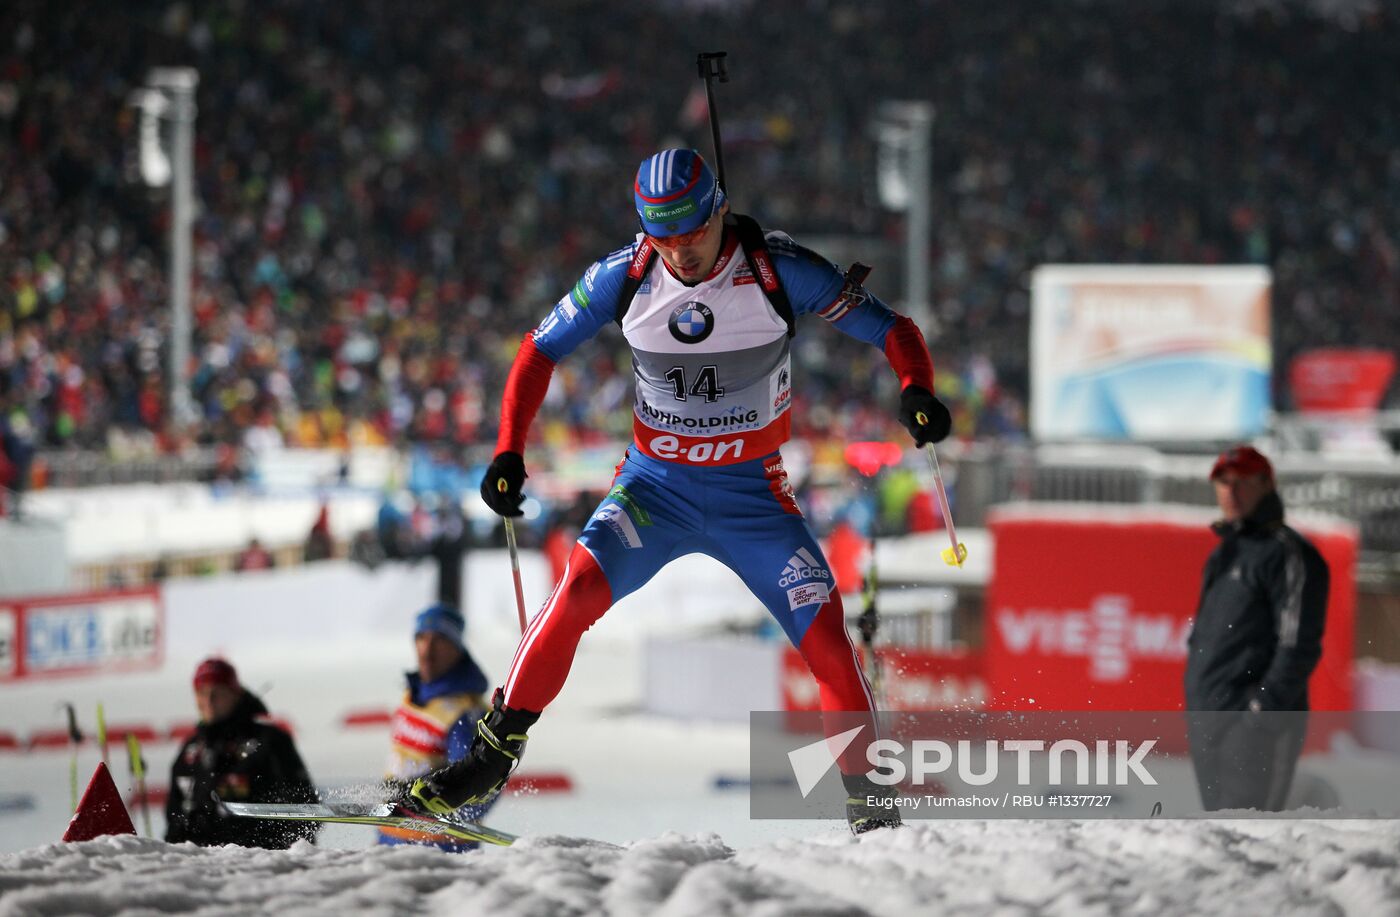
pixel 525 390
pixel 908 354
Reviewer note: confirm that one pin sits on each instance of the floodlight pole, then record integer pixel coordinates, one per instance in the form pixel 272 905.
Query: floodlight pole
pixel 920 218
pixel 905 131
pixel 178 84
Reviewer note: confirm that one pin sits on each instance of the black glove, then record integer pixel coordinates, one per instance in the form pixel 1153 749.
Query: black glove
pixel 923 415
pixel 506 469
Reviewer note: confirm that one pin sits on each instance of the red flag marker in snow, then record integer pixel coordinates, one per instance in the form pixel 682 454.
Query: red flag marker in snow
pixel 101 810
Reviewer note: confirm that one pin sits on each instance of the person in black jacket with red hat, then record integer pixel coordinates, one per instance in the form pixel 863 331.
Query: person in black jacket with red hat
pixel 237 754
pixel 1255 641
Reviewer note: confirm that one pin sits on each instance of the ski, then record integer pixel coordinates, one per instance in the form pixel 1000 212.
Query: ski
pixel 384 815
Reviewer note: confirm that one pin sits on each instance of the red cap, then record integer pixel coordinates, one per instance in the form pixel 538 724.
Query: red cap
pixel 1244 460
pixel 215 671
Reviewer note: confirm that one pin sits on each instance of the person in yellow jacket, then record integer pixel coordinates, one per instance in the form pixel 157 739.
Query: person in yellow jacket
pixel 436 720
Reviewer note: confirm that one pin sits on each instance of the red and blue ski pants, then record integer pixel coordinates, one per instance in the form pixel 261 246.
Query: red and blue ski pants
pixel 744 516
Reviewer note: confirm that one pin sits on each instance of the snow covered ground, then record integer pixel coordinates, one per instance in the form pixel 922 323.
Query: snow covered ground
pixel 644 831
pixel 634 776
pixel 1150 867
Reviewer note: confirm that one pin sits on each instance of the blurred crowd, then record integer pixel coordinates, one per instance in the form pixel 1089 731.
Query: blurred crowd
pixel 390 195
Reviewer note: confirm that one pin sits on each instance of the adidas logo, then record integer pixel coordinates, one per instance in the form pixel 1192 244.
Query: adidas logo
pixel 800 566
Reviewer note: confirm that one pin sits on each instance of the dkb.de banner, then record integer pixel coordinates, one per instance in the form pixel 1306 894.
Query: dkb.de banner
pixel 72 634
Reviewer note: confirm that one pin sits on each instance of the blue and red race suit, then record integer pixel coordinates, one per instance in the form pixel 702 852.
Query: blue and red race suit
pixel 713 393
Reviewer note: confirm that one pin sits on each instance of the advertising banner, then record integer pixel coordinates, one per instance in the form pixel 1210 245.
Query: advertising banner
pixel 1090 608
pixel 911 679
pixel 62 635
pixel 1135 353
pixel 9 617
pixel 1340 379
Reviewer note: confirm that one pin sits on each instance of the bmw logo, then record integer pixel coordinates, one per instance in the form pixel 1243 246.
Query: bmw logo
pixel 691 322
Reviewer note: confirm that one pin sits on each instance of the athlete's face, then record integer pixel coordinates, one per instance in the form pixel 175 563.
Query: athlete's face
pixel 692 255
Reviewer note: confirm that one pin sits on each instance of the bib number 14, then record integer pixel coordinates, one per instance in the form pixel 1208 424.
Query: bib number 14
pixel 706 384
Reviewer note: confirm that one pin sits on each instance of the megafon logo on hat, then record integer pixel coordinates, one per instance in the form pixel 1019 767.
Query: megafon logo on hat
pixel 675 192
pixel 670 213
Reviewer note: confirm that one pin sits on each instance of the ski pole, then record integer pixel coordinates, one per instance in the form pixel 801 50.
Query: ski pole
pixel 138 772
pixel 869 625
pixel 514 561
pixel 102 732
pixel 711 66
pixel 75 738
pixel 955 555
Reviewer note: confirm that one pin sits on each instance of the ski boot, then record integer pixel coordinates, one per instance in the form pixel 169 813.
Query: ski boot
pixel 860 814
pixel 477 778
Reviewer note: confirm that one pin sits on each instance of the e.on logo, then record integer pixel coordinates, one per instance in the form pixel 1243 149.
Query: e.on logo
pixel 1109 633
pixel 669 447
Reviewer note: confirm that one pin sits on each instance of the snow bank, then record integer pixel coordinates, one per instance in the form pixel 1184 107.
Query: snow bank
pixel 1150 867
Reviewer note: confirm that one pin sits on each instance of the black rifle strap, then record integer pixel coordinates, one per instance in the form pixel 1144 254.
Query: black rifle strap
pixel 761 263
pixel 642 260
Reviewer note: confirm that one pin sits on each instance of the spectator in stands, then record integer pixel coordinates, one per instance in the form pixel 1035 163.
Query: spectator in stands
pixel 564 530
pixel 447 545
pixel 236 754
pixel 254 557
pixel 228 466
pixel 330 302
pixel 320 544
pixel 437 718
pixel 1255 640
pixel 16 454
pixel 394 530
pixel 7 479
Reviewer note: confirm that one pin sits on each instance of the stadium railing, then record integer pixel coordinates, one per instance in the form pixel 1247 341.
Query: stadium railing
pixel 74 468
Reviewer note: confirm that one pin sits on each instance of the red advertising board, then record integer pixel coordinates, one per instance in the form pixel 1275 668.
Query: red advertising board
pixel 1340 378
pixel 912 679
pixel 1090 609
pixel 87 632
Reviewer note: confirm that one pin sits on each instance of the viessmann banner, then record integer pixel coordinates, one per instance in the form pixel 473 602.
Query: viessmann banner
pixel 1149 353
pixel 1090 608
pixel 912 679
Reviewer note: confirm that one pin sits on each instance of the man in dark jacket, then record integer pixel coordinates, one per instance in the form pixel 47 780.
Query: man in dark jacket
pixel 240 757
pixel 1255 641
